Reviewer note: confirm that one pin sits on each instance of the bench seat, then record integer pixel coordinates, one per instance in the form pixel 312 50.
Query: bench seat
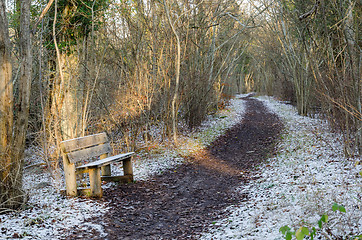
pixel 106 161
pixel 76 151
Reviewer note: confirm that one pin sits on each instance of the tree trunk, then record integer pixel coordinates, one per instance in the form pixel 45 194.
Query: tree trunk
pixel 6 112
pixel 23 102
pixel 177 81
pixel 12 154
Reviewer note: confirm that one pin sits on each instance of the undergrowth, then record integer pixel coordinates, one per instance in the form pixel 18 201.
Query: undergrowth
pixel 308 231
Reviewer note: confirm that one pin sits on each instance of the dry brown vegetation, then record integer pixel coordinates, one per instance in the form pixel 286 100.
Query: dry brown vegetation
pixel 141 69
pixel 121 76
pixel 309 53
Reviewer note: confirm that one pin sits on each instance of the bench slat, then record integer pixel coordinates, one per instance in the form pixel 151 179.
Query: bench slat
pixel 83 142
pixel 89 147
pixel 122 179
pixel 87 153
pixel 106 161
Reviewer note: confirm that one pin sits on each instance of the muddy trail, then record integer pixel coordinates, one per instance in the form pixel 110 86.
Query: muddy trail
pixel 182 202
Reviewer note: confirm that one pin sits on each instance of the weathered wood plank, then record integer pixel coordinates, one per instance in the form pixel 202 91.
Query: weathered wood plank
pixel 107 161
pixel 87 153
pixel 84 148
pixel 127 168
pixel 82 171
pixel 95 182
pixel 84 192
pixel 70 177
pixel 122 179
pixel 106 170
pixel 83 142
pixel 80 192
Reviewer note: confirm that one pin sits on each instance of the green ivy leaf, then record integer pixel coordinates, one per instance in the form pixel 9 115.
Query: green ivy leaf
pixel 284 229
pixel 324 218
pixel 342 209
pixel 288 236
pixel 358 237
pixel 305 230
pixel 336 207
pixel 313 233
pixel 302 231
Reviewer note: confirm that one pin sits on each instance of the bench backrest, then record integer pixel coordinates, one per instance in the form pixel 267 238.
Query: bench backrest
pixel 83 148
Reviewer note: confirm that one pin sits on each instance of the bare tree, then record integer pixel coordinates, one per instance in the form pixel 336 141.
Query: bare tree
pixel 177 79
pixel 317 57
pixel 7 191
pixel 13 128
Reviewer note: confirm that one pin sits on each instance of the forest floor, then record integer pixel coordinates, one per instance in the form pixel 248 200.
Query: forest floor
pixel 249 170
pixel 181 202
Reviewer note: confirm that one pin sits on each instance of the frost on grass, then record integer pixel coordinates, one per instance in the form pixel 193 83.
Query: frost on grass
pixel 298 186
pixel 213 127
pixel 48 215
pixel 161 158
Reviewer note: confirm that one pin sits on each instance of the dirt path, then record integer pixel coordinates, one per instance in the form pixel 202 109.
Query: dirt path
pixel 180 203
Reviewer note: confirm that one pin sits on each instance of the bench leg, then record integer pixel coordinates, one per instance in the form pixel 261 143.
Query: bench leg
pixel 70 179
pixel 106 170
pixel 127 168
pixel 95 182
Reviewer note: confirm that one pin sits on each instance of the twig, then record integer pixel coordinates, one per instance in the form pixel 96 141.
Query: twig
pixel 313 10
pixel 45 10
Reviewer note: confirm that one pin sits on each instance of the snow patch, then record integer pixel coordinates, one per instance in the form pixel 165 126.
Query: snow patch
pixel 48 215
pixel 300 184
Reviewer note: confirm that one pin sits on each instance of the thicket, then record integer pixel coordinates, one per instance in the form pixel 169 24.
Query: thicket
pixel 309 53
pixel 144 70
pixel 140 70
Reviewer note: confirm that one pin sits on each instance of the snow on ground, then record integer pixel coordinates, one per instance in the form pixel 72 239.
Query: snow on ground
pixel 48 215
pixel 295 188
pixel 158 160
pixel 299 185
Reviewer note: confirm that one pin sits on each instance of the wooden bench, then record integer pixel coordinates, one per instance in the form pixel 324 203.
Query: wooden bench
pixel 75 151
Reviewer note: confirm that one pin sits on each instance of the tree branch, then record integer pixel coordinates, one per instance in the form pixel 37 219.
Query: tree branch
pixel 313 10
pixel 45 10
